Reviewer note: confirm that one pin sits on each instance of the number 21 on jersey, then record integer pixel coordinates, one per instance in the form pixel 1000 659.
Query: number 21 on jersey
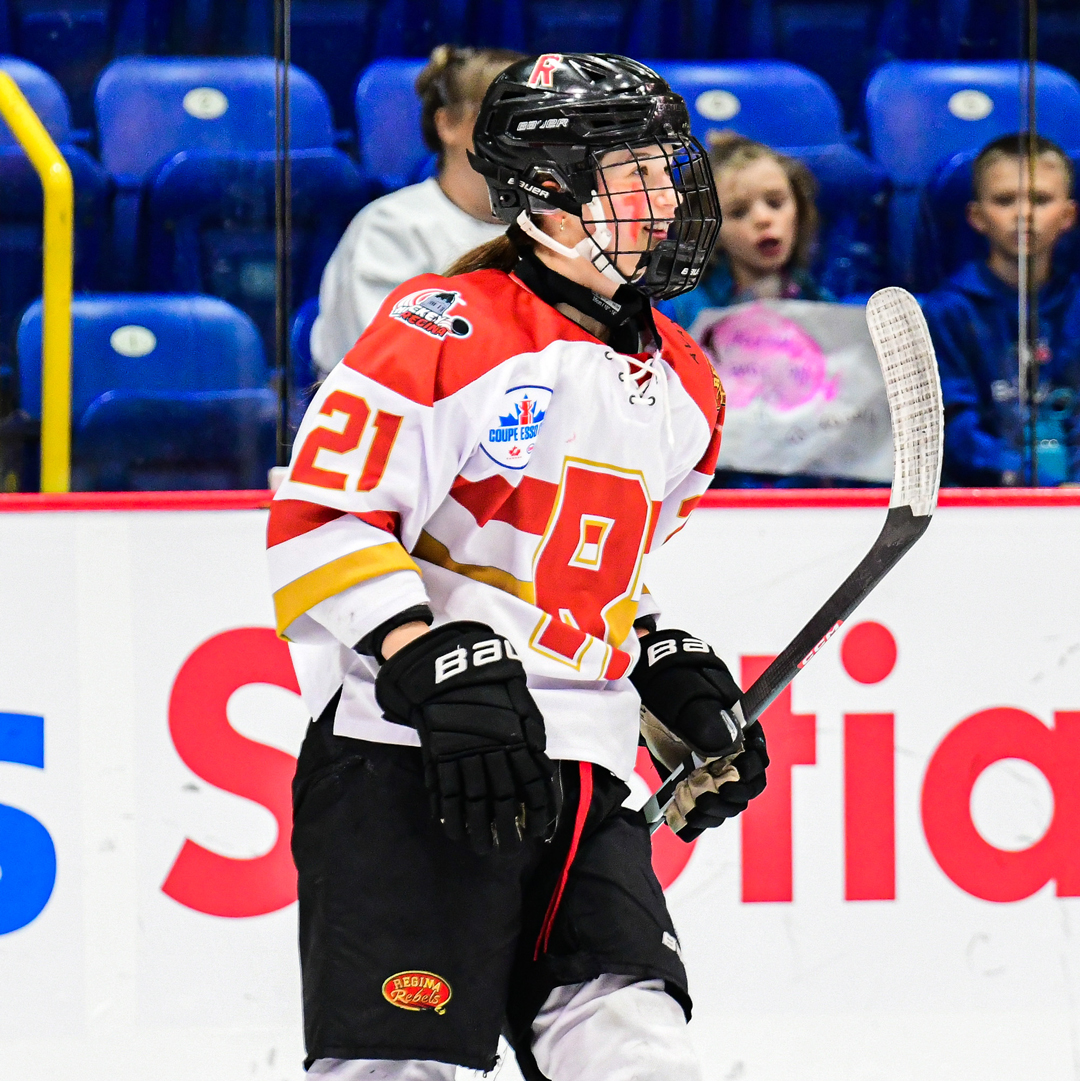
pixel 356 411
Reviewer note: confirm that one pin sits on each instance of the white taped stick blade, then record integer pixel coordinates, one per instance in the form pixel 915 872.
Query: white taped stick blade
pixel 906 355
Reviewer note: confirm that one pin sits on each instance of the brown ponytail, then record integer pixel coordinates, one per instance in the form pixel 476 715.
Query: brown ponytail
pixel 498 254
pixel 455 78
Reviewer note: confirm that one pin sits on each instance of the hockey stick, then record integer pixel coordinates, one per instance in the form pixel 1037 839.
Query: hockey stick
pixel 906 355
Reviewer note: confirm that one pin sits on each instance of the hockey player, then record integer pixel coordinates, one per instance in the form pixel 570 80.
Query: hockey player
pixel 458 558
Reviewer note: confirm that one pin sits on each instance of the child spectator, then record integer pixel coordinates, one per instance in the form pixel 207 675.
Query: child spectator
pixel 768 233
pixel 974 322
pixel 420 229
pixel 767 239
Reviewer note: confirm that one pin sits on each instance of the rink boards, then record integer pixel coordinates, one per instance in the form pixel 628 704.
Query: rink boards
pixel 901 904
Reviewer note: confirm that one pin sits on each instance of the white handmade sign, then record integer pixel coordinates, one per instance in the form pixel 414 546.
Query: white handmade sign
pixel 804 391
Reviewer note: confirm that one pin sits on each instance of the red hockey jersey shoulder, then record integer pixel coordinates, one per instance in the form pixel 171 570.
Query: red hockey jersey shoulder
pixel 435 335
pixel 692 366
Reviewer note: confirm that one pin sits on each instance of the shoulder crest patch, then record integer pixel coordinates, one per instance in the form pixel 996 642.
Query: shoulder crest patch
pixel 431 312
pixel 511 439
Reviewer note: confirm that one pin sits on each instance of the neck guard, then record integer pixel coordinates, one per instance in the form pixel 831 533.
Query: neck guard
pixel 627 315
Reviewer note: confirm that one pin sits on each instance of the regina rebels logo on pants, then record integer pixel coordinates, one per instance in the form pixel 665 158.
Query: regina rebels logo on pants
pixel 417 990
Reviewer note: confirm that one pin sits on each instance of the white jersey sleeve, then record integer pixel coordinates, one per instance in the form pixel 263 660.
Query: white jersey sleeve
pixel 374 457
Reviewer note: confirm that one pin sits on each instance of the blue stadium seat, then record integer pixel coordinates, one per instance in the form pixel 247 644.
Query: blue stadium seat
pixel 852 200
pixel 209 226
pixel 773 102
pixel 216 439
pixel 46 97
pixel 392 150
pixel 151 375
pixel 335 39
pixel 944 240
pixel 150 109
pixel 920 113
pixel 74 39
pixel 633 27
pixel 21 212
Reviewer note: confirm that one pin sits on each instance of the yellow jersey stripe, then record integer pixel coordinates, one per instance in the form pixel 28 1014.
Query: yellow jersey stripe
pixel 293 600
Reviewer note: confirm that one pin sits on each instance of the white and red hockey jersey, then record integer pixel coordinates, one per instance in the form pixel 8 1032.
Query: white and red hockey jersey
pixel 478 451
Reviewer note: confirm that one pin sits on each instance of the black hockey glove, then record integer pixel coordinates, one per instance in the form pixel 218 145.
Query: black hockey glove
pixel 686 694
pixel 462 687
pixel 686 686
pixel 708 798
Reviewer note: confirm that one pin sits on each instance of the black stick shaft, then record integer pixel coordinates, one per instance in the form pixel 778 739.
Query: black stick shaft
pixel 901 530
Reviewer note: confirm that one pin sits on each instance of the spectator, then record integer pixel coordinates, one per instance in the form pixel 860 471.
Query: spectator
pixel 974 323
pixel 768 232
pixel 422 228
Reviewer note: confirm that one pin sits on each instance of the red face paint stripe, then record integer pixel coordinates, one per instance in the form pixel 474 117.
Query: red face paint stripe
pixel 584 801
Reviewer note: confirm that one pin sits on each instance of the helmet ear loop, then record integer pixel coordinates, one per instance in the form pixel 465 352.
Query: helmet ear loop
pixel 593 246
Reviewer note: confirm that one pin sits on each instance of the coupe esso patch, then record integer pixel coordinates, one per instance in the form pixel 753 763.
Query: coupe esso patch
pixel 417 990
pixel 511 439
pixel 431 311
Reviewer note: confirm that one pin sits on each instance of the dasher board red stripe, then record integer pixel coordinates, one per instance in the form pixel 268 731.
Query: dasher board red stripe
pixel 729 498
pixel 749 498
pixel 255 499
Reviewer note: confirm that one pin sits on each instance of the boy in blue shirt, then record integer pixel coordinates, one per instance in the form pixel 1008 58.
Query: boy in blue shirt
pixel 974 324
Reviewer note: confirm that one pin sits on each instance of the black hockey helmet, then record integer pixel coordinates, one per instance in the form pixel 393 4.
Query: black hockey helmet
pixel 543 127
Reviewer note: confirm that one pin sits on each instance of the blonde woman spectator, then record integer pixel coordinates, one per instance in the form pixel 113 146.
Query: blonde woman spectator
pixel 422 228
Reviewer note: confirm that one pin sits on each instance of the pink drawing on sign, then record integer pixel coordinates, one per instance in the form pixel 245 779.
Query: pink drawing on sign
pixel 760 354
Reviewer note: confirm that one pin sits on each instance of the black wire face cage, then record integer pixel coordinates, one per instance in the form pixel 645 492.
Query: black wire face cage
pixel 664 210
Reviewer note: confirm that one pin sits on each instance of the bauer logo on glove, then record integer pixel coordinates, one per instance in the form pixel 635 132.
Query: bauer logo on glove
pixel 686 686
pixel 463 688
pixel 486 652
pixel 690 707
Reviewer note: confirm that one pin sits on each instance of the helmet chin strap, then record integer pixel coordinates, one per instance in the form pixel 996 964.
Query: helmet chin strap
pixel 591 247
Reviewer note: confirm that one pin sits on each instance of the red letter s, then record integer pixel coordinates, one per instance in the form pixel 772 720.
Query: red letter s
pixel 204 739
